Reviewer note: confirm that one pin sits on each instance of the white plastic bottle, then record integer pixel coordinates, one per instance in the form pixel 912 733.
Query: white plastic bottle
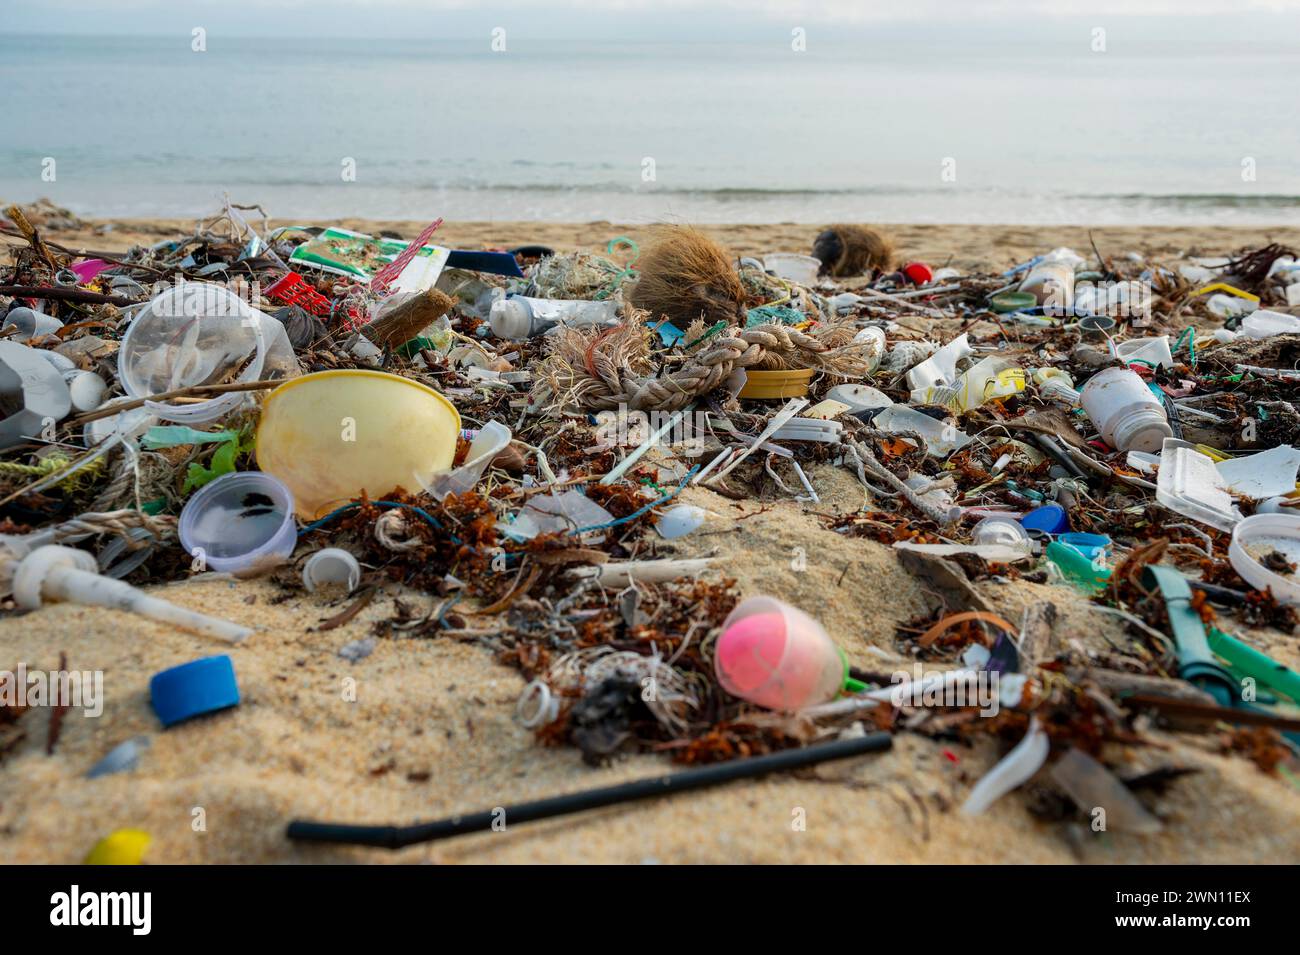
pixel 1128 415
pixel 519 317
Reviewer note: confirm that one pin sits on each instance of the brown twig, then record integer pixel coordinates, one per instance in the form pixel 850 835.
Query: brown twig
pixel 192 391
pixel 65 295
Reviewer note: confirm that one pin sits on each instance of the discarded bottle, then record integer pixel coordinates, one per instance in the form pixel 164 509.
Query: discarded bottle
pixel 1128 415
pixel 519 317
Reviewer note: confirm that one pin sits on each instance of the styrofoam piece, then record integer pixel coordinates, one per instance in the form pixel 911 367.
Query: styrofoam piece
pixel 1253 539
pixel 86 390
pixel 333 565
pixel 1189 484
pixel 826 409
pixel 1264 474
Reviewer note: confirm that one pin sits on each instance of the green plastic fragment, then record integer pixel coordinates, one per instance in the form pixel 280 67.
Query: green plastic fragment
pixel 1078 569
pixel 175 435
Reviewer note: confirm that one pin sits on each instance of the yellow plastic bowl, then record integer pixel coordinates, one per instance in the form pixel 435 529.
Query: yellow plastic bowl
pixel 331 435
pixel 776 384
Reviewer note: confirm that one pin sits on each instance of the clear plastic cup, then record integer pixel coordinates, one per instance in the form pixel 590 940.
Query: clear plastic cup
pixel 191 334
pixel 777 656
pixel 238 520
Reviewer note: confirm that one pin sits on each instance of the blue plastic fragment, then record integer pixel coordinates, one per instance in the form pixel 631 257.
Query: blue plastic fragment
pixel 120 758
pixel 497 263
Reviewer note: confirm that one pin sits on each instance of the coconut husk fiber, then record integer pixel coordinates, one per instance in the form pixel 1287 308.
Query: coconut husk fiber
pixel 400 323
pixel 684 275
pixel 849 250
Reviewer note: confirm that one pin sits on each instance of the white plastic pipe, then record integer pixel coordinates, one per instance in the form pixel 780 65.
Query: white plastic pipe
pixel 621 573
pixel 54 574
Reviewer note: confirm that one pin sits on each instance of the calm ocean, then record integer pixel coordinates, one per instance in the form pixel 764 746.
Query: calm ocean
pixel 896 124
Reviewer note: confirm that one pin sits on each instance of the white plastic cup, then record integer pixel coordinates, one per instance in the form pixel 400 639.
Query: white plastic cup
pixel 1128 415
pixel 1154 351
pixel 158 353
pixel 239 520
pixel 333 565
pixel 30 323
pixel 793 267
pixel 1052 283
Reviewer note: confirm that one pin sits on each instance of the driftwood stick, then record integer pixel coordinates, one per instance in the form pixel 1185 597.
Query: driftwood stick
pixel 192 391
pixel 65 295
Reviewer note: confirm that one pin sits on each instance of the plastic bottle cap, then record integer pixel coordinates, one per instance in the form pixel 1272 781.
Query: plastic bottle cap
pixel 1050 518
pixel 123 847
pixel 194 689
pixel 511 318
pixel 919 273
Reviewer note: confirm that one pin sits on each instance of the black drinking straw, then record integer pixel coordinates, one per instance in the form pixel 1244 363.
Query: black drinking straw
pixel 395 837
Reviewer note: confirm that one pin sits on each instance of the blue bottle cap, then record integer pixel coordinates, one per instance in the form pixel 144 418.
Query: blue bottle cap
pixel 1050 519
pixel 194 689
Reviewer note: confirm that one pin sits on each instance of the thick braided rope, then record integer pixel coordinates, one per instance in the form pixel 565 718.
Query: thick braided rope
pixel 710 368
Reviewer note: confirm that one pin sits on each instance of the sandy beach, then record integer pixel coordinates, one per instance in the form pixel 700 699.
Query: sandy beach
pixel 431 733
pixel 961 246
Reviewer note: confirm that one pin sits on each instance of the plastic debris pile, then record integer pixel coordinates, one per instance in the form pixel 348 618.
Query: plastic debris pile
pixel 510 431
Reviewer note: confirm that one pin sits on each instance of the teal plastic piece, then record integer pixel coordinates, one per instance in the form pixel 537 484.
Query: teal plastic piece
pixel 1252 663
pixel 1196 662
pixel 1078 569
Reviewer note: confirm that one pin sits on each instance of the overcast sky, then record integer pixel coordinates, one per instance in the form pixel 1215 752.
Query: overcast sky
pixel 576 18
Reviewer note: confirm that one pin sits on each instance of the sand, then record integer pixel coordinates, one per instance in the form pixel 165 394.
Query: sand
pixel 428 731
pixel 962 246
